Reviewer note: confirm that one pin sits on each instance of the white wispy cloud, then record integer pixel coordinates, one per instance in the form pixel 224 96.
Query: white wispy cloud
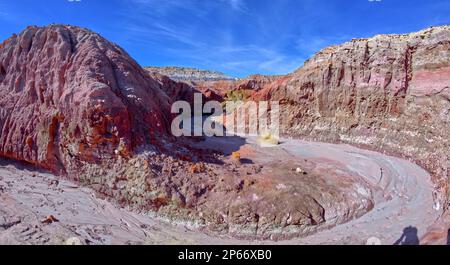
pixel 238 5
pixel 250 59
pixel 311 44
pixel 162 31
pixel 4 15
pixel 182 30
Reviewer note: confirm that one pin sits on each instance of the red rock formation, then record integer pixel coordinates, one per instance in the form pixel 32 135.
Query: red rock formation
pixel 183 90
pixel 68 94
pixel 390 93
pixel 211 88
pixel 251 84
pixel 174 89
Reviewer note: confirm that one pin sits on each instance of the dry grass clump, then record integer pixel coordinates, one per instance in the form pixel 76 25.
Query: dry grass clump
pixel 197 168
pixel 268 139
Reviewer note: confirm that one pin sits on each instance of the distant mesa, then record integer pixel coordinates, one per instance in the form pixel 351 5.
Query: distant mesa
pixel 189 74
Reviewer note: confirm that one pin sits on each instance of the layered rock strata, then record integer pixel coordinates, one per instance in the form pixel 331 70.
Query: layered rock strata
pixel 67 94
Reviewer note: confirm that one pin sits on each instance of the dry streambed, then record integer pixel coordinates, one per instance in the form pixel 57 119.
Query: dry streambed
pixel 374 194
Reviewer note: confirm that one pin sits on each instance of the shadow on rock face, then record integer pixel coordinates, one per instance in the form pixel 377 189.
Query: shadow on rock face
pixel 246 161
pixel 448 237
pixel 409 237
pixel 21 165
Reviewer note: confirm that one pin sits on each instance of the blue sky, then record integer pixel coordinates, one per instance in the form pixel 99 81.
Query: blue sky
pixel 237 37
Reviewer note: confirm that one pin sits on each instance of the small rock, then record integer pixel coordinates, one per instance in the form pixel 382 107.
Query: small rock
pixel 73 241
pixel 49 220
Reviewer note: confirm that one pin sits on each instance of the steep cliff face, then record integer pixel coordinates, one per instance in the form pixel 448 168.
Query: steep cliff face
pixel 390 93
pixel 67 94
